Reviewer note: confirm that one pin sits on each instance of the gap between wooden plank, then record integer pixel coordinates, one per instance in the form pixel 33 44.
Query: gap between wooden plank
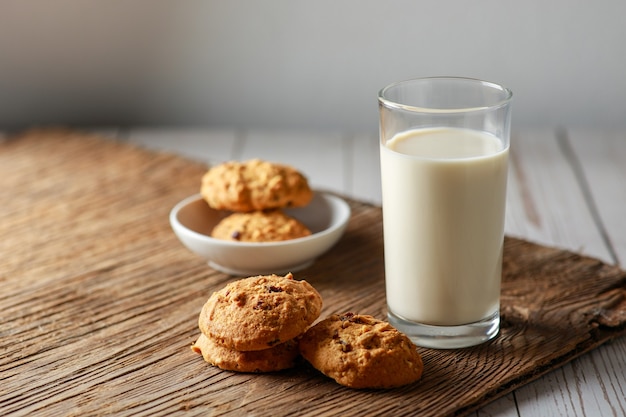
pixel 572 159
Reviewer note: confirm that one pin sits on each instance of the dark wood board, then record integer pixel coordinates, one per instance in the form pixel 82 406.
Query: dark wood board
pixel 99 300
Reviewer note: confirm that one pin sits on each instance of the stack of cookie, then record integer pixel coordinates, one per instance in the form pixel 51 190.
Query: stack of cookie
pixel 256 191
pixel 251 325
pixel 264 323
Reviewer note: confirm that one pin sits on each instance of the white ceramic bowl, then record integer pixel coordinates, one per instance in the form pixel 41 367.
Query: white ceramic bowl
pixel 326 216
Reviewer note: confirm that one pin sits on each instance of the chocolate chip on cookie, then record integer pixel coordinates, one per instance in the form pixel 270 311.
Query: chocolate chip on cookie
pixel 359 351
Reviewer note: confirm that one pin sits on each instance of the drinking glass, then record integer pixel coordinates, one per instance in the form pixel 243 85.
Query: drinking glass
pixel 444 150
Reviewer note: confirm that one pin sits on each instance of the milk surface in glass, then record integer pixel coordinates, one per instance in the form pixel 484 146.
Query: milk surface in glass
pixel 443 202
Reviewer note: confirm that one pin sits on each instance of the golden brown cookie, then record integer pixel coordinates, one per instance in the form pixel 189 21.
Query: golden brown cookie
pixel 359 351
pixel 254 185
pixel 277 358
pixel 259 312
pixel 259 226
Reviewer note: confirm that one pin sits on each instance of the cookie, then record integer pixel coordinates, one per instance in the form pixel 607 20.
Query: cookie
pixel 260 312
pixel 259 226
pixel 277 358
pixel 254 185
pixel 359 351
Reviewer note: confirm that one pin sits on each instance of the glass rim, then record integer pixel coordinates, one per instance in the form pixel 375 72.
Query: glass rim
pixel 507 96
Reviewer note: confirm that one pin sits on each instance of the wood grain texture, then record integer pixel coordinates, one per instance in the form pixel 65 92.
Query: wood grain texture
pixel 99 300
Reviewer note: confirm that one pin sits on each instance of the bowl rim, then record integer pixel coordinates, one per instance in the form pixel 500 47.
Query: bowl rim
pixel 337 224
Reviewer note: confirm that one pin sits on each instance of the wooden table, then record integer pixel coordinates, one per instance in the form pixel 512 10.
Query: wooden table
pixel 565 190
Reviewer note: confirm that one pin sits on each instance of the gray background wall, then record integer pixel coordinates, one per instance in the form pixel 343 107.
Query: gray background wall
pixel 301 64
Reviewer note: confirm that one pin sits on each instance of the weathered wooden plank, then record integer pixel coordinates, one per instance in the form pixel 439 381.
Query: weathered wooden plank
pixel 99 316
pixel 549 205
pixel 545 203
pixel 602 159
pixel 599 161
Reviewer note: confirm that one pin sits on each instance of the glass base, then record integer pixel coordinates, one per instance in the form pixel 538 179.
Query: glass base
pixel 448 337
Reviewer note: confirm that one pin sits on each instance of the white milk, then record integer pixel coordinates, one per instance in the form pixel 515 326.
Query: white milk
pixel 443 209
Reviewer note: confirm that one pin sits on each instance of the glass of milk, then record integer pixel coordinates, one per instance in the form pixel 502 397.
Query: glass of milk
pixel 444 150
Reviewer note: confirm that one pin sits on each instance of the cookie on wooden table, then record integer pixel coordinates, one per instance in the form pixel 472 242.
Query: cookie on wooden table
pixel 260 312
pixel 277 358
pixel 359 351
pixel 259 226
pixel 254 185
